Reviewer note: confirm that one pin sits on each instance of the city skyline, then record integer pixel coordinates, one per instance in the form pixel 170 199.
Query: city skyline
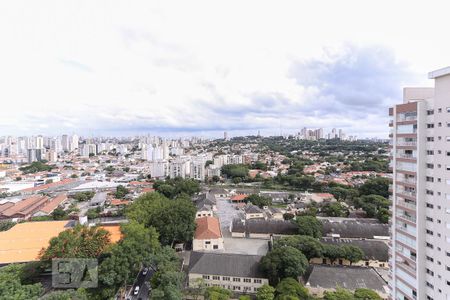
pixel 133 70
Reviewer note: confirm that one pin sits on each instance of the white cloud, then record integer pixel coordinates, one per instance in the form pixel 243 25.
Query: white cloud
pixel 116 67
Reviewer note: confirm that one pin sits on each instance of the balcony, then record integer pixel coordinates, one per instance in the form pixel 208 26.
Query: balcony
pixel 403 118
pixel 407 204
pixel 407 156
pixel 406 267
pixel 407 144
pixel 407 180
pixel 405 217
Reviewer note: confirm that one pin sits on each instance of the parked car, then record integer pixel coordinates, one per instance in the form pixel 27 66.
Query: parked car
pixel 136 290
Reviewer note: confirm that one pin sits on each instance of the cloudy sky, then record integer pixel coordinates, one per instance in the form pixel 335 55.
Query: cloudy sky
pixel 185 68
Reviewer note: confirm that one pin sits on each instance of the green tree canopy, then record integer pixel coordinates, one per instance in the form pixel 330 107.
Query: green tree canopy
pixel 78 242
pixel 309 225
pixel 283 262
pixel 309 246
pixel 291 287
pixel 366 294
pixel 258 200
pixel 217 293
pixel 375 186
pixel 12 287
pixel 265 292
pixel 173 219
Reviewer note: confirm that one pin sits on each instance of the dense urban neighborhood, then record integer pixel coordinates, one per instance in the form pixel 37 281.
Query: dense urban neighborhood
pixel 303 216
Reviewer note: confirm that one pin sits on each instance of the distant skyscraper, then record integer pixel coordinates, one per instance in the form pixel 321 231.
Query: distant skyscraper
pixel 420 250
pixel 225 136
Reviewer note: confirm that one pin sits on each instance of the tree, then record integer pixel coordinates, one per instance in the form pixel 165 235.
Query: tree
pixel 291 287
pixel 332 252
pixel 12 287
pixel 139 246
pixel 335 209
pixel 258 200
pixel 58 214
pixel 366 294
pixel 35 167
pixel 83 196
pixel 173 219
pixel 245 297
pixel 78 242
pixel 308 245
pixel 172 188
pixel 121 192
pixel 79 294
pixel 217 293
pixel 339 294
pixel 265 292
pixel 6 225
pixel 352 253
pixel 284 262
pixel 375 186
pixel 309 225
pixel 374 206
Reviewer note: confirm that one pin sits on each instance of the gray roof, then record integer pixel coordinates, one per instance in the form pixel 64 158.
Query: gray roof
pixel 218 191
pixel 373 250
pixel 264 226
pixel 225 264
pixel 205 200
pixel 352 278
pixel 354 228
pixel 252 209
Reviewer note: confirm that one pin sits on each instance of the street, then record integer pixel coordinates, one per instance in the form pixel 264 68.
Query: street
pixel 143 281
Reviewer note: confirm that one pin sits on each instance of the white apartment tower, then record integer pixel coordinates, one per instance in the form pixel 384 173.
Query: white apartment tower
pixel 420 248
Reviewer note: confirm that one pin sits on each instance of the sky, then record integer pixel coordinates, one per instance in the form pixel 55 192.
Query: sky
pixel 185 68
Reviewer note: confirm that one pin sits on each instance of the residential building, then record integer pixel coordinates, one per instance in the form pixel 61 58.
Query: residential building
pixel 208 235
pixel 237 272
pixel 420 141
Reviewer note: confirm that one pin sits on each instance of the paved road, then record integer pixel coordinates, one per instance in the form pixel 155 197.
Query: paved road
pixel 143 281
pixel 226 212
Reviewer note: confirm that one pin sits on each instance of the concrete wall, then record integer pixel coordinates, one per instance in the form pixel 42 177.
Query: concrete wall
pixel 202 245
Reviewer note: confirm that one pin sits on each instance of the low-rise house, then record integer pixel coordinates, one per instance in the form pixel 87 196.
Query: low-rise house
pixel 261 228
pixel 219 192
pixel 376 253
pixel 323 278
pixel 274 213
pixel 236 272
pixel 51 205
pixel 208 235
pixel 240 198
pixel 24 209
pixel 253 212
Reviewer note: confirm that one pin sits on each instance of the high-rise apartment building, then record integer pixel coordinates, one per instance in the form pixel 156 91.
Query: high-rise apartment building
pixel 420 248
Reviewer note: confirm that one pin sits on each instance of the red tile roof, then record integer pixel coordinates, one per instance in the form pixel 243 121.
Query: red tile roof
pixel 238 197
pixel 207 228
pixel 52 204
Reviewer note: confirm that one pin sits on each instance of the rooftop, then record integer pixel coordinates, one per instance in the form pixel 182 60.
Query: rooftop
pixel 207 228
pixel 439 73
pixel 225 264
pixel 23 242
pixel 351 278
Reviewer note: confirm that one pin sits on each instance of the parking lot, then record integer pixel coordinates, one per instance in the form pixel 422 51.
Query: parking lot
pixel 226 212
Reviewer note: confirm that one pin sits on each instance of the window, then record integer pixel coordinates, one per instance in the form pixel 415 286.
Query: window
pixel 448 109
pixel 236 279
pixel 429 205
pixel 205 276
pixel 429 272
pixel 225 278
pixel 429 192
pixel 430 138
pixel 429 219
pixel 430 166
pixel 257 281
pixel 247 280
pixel 216 277
pixel 430 112
pixel 430 259
pixel 439 110
pixel 207 242
pixel 430 125
pixel 215 246
pixel 429 245
pixel 431 286
pixel 429 179
pixel 430 152
pixel 429 232
pixel 447 138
